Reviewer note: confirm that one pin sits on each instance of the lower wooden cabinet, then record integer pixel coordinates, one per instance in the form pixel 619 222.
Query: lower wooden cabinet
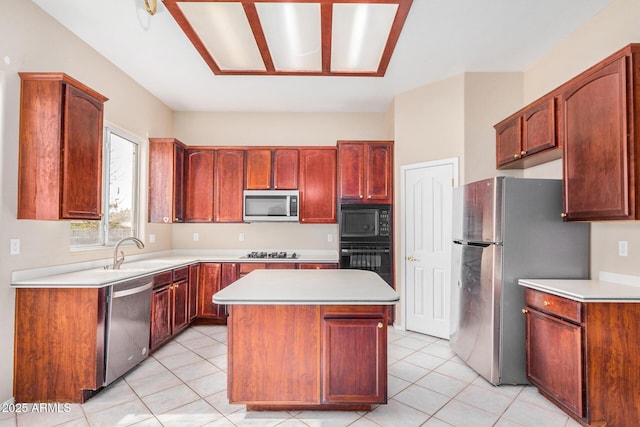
pixel 169 306
pixel 584 357
pixel 354 376
pixel 316 266
pixel 307 356
pixel 59 344
pixel 214 276
pixel 194 281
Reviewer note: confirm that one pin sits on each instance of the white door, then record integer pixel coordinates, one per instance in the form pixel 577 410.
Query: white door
pixel 427 211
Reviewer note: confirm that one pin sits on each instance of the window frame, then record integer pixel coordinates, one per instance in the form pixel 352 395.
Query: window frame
pixel 103 226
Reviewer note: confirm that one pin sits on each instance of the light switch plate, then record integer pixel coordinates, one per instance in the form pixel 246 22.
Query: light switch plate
pixel 623 248
pixel 196 237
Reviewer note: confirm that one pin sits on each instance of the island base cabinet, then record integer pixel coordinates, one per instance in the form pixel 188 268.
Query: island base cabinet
pixel 297 357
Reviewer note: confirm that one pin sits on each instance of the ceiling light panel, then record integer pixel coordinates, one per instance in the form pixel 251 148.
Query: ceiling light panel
pixel 224 30
pixel 359 36
pixel 293 34
pixel 293 37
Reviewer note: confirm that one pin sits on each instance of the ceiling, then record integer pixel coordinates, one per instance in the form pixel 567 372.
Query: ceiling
pixel 441 38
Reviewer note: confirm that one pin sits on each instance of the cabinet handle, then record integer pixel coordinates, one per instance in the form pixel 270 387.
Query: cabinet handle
pixel 523 152
pixel 525 311
pixel 361 196
pixel 546 303
pixel 516 156
pixel 368 197
pixel 563 215
pixel 380 325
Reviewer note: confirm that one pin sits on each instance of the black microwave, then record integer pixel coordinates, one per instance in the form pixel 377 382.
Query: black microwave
pixel 365 222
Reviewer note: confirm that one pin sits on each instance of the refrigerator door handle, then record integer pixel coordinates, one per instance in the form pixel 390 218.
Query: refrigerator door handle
pixel 478 244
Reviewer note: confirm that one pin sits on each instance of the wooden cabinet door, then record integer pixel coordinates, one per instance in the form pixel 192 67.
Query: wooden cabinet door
pixel 318 186
pixel 508 141
pixel 210 275
pixel 194 279
pixel 178 183
pixel 81 156
pixel 357 376
pixel 166 180
pixel 199 185
pixel 258 169
pixel 180 311
pixel 596 149
pixel 161 317
pixel 555 358
pixel 285 169
pixel 539 127
pixel 318 266
pixel 351 170
pixel 379 172
pixel 228 185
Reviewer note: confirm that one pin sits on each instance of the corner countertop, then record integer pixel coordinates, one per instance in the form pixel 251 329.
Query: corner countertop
pixel 609 287
pixel 308 287
pixel 92 274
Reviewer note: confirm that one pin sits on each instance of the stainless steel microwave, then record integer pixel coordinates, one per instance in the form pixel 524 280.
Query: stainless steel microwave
pixel 270 205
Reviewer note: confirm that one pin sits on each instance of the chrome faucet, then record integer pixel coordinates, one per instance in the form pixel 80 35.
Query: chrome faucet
pixel 117 262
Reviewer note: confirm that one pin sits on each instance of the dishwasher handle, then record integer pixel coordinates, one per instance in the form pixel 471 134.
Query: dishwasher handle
pixel 132 291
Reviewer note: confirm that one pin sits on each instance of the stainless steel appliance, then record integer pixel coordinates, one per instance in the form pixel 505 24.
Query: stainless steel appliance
pixel 365 238
pixel 270 205
pixel 128 326
pixel 505 229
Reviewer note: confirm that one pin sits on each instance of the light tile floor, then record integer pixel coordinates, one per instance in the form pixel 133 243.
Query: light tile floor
pixel 184 384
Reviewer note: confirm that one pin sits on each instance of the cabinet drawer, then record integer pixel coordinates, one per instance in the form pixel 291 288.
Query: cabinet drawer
pixel 162 278
pixel 180 273
pixel 552 304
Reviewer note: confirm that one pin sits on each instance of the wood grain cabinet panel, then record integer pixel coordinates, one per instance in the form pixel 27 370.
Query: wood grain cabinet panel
pixel 601 148
pixel 199 185
pixel 169 306
pixel 166 180
pixel 60 148
pixel 228 185
pixel 582 357
pixel 318 185
pixel 272 169
pixel 194 281
pixel 59 344
pixel 365 171
pixel 213 278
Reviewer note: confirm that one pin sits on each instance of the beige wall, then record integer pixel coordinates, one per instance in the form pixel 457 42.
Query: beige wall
pixel 32 41
pixel 270 129
pixel 613 28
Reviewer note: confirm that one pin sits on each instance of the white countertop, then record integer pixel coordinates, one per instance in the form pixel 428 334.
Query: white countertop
pixel 304 287
pixel 93 275
pixel 608 287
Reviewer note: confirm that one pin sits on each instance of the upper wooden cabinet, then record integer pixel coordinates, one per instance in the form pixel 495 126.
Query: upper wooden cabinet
pixel 166 180
pixel 199 185
pixel 318 185
pixel 365 171
pixel 601 147
pixel 269 169
pixel 228 185
pixel 530 136
pixel 60 160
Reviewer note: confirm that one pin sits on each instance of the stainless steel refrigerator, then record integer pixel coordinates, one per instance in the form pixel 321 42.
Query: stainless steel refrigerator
pixel 505 229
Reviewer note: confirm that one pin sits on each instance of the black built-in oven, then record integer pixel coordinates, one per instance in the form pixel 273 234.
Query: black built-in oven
pixel 365 239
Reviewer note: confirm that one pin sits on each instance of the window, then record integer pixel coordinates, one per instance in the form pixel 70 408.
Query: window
pixel 120 195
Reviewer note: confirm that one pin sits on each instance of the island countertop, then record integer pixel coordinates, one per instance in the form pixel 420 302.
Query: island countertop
pixel 303 287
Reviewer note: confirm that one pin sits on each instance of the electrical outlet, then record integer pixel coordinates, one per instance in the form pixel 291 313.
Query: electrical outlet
pixel 15 247
pixel 152 238
pixel 196 237
pixel 623 248
pixel 329 237
pixel 241 237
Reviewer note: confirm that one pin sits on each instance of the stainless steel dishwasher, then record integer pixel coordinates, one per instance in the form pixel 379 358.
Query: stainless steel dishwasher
pixel 128 326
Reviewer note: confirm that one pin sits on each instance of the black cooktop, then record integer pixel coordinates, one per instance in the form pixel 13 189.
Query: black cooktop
pixel 272 255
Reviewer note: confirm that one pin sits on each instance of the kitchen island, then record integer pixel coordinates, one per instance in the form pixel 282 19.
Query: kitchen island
pixel 307 339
